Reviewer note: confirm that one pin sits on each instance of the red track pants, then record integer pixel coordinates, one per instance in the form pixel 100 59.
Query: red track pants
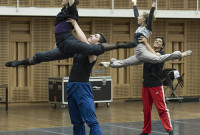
pixel 156 95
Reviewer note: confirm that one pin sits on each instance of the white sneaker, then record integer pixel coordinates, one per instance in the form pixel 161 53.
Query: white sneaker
pixel 187 53
pixel 105 64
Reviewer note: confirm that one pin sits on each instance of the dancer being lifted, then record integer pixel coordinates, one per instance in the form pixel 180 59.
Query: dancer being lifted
pixel 67 44
pixel 144 53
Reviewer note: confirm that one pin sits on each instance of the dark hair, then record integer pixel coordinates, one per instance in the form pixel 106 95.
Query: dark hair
pixel 102 38
pixel 146 16
pixel 163 41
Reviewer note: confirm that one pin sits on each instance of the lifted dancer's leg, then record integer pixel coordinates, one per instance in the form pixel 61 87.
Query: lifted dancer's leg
pixel 51 55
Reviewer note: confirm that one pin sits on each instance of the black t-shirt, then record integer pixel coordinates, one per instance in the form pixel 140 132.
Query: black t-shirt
pixel 152 73
pixel 81 68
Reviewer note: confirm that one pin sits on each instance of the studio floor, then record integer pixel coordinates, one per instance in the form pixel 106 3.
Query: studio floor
pixel 120 118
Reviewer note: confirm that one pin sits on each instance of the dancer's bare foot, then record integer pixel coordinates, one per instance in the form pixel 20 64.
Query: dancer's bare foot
pixel 187 53
pixel 105 64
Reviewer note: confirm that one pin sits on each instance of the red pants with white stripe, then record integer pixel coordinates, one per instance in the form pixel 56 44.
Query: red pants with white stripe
pixel 155 95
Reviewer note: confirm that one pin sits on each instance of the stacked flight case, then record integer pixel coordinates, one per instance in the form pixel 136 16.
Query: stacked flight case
pixel 101 88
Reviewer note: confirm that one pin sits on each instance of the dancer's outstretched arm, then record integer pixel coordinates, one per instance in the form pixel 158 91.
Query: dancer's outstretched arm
pixel 144 40
pixel 81 35
pixel 135 11
pixel 150 20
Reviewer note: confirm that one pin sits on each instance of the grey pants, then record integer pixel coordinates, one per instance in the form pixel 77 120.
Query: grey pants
pixel 142 55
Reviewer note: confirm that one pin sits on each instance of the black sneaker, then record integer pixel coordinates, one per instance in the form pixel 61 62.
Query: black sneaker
pixel 171 133
pixel 144 134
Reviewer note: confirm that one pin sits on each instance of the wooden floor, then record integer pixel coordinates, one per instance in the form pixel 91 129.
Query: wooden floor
pixel 42 115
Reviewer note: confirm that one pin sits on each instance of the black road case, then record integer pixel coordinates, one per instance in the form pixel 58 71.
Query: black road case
pixel 101 88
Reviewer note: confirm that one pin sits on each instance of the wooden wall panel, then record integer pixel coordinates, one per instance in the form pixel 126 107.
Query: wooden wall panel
pixel 144 4
pixel 42 41
pixel 199 6
pixel 4 3
pixel 193 65
pixel 192 4
pixel 85 4
pixel 176 4
pixel 136 81
pixel 176 42
pixel 122 4
pixel 121 32
pixel 162 4
pixel 19 49
pixel 4 41
pixel 22 3
pixel 42 3
pixel 20 77
pixel 57 3
pixel 102 4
